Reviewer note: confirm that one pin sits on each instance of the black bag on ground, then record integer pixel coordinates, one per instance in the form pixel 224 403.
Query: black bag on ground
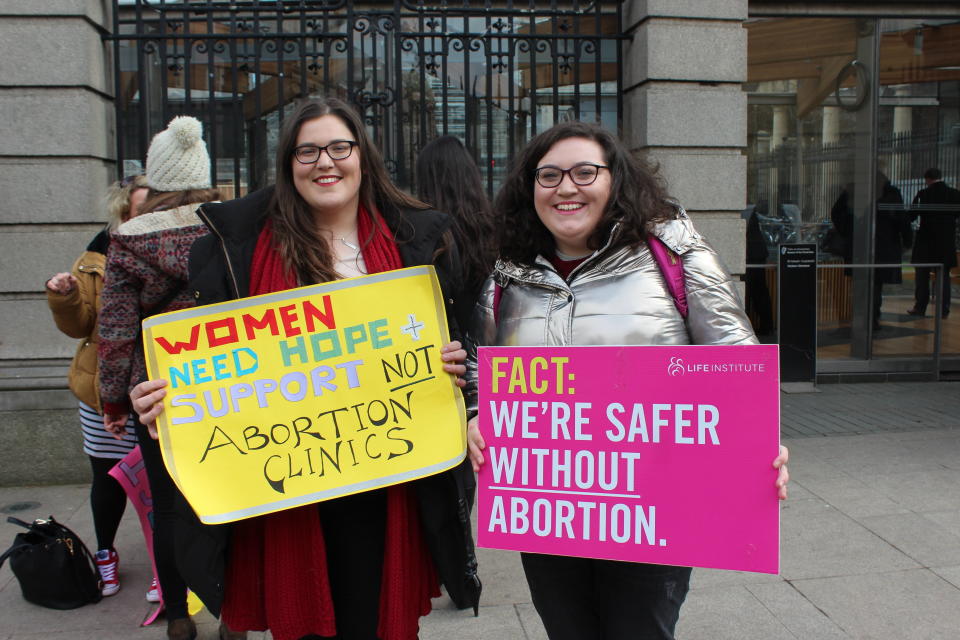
pixel 54 567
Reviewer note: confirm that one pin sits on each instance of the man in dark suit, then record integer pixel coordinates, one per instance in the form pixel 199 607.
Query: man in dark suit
pixel 938 207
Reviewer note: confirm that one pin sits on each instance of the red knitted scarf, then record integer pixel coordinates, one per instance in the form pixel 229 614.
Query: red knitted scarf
pixel 277 571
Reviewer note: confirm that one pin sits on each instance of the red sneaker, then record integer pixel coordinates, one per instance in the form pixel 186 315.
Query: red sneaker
pixel 108 562
pixel 153 595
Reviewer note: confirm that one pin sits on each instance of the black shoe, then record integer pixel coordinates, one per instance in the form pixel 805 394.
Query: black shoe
pixel 916 312
pixel 181 629
pixel 226 634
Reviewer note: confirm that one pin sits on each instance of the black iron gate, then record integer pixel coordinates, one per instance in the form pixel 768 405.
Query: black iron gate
pixel 491 73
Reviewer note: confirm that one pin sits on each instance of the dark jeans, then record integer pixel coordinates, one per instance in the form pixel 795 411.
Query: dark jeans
pixel 584 599
pixel 163 493
pixel 354 531
pixel 922 294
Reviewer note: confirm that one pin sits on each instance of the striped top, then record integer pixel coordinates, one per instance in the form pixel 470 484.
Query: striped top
pixel 100 443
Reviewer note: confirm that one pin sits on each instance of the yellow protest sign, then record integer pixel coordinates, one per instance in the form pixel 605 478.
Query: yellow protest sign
pixel 299 396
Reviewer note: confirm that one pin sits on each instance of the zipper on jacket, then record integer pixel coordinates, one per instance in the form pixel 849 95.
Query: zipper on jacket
pixel 223 246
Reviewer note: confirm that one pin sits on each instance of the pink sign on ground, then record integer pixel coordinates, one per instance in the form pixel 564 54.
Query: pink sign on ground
pixel 644 454
pixel 131 473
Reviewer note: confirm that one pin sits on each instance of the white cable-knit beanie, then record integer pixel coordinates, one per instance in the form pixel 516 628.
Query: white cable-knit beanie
pixel 177 159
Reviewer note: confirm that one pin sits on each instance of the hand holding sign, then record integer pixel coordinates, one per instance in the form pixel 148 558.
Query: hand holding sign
pixel 475 444
pixel 147 401
pixel 783 476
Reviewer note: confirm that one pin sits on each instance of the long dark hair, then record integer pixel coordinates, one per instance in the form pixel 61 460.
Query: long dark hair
pixel 449 180
pixel 637 196
pixel 303 248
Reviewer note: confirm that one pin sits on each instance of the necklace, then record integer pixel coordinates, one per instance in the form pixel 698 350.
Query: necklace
pixel 349 244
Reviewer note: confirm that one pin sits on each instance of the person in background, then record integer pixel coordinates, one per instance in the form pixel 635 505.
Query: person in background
pixel 937 206
pixel 449 180
pixel 891 235
pixel 360 567
pixel 146 274
pixel 576 216
pixel 74 300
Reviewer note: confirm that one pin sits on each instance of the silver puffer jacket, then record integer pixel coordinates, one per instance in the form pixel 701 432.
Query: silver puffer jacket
pixel 613 298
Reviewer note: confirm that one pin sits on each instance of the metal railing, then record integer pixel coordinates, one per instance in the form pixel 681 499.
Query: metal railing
pixel 491 73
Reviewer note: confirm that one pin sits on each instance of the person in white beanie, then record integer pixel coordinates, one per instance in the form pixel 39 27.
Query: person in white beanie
pixel 146 274
pixel 178 166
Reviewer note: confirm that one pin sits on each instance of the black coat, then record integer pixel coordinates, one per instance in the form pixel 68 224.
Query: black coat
pixel 219 271
pixel 938 207
pixel 891 231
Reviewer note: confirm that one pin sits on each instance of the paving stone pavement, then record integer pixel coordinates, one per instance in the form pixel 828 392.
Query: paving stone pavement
pixel 870 541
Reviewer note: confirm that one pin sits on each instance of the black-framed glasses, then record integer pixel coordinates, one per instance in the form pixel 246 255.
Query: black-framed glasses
pixel 337 150
pixel 582 174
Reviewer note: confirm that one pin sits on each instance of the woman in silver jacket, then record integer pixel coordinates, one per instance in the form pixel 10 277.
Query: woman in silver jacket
pixel 575 213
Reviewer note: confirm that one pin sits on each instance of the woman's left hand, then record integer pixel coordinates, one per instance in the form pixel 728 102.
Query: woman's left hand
pixel 784 476
pixel 453 355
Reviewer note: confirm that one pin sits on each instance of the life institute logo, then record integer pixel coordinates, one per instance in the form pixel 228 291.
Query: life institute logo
pixel 678 367
pixel 675 367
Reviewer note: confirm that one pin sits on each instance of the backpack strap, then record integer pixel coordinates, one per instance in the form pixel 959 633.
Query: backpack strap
pixel 15 547
pixel 671 267
pixel 87 558
pixel 497 294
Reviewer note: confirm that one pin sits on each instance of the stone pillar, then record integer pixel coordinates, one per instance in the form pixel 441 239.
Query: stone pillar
pixel 829 135
pixel 902 129
pixel 902 115
pixel 780 126
pixel 56 160
pixel 683 106
pixel 781 130
pixel 831 125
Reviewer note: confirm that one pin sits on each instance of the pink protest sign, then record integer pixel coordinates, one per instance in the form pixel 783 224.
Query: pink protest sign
pixel 644 454
pixel 131 473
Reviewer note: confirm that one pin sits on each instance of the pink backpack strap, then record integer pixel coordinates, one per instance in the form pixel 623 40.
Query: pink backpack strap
pixel 671 266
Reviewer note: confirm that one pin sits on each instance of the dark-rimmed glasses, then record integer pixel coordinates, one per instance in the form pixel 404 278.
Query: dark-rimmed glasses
pixel 337 150
pixel 582 174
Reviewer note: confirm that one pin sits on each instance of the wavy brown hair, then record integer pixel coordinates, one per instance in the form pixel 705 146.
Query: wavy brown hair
pixel 637 196
pixel 304 249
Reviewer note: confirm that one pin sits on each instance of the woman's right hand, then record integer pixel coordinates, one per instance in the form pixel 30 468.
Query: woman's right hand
pixel 146 399
pixel 62 283
pixel 475 443
pixel 115 424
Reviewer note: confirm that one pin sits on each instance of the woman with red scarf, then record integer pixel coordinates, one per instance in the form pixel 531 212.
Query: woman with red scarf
pixel 362 567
